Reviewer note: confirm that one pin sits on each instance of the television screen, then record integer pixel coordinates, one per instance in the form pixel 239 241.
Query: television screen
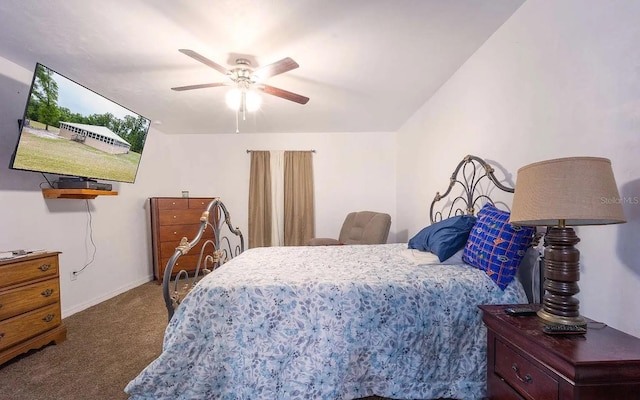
pixel 67 129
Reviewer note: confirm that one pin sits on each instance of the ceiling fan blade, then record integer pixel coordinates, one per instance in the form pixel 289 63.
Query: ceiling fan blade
pixel 284 94
pixel 200 86
pixel 204 60
pixel 278 67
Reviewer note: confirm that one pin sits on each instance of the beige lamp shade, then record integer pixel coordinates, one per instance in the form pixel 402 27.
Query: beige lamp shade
pixel 578 190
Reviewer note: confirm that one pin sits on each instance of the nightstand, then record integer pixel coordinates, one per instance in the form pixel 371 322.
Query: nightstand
pixel 525 363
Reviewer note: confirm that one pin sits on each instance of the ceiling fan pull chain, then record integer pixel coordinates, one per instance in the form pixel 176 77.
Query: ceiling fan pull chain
pixel 237 126
pixel 243 103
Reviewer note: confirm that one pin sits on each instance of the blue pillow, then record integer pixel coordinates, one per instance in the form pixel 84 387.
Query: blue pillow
pixel 444 238
pixel 495 246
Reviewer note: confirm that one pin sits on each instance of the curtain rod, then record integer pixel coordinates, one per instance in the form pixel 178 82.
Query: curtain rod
pixel 249 151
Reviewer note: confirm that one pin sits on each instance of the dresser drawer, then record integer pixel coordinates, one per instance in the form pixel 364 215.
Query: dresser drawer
pixel 180 217
pixel 29 297
pixel 167 248
pixel 17 329
pixel 186 261
pixel 174 233
pixel 28 270
pixel 171 203
pixel 523 375
pixel 199 203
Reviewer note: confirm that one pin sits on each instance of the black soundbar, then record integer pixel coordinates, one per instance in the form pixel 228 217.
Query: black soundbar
pixel 82 184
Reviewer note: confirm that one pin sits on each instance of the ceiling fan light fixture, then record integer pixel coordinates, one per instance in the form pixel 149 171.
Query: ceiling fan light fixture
pixel 243 100
pixel 244 97
pixel 253 101
pixel 233 98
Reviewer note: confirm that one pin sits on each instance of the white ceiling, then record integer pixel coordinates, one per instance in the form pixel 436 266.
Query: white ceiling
pixel 366 65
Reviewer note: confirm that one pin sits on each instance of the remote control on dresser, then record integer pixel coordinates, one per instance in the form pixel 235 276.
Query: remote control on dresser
pixel 520 311
pixel 564 329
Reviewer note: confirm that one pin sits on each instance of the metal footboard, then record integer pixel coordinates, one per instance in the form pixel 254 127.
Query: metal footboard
pixel 228 242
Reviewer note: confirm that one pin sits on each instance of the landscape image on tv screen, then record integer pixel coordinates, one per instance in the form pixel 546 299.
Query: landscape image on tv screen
pixel 68 129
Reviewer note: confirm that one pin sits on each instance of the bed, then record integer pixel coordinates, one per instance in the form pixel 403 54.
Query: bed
pixel 332 322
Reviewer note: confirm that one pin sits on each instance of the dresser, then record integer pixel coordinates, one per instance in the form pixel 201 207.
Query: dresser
pixel 525 363
pixel 173 218
pixel 29 304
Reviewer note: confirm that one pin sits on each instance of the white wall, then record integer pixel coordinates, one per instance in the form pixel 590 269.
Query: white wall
pixel 352 171
pixel 559 78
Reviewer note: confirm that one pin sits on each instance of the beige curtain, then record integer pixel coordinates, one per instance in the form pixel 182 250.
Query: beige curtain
pixel 299 225
pixel 260 200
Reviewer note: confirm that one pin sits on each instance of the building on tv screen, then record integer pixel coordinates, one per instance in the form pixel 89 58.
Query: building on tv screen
pixel 70 130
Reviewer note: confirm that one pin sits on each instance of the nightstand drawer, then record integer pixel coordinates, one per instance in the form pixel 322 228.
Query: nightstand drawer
pixel 500 390
pixel 523 375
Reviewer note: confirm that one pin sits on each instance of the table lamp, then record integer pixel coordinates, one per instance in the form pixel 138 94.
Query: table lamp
pixel 558 194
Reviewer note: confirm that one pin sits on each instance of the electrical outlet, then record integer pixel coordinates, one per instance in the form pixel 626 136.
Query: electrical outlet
pixel 74 275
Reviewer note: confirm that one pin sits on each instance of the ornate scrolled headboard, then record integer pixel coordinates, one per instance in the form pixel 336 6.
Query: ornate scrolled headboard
pixel 468 176
pixel 228 242
pixel 466 195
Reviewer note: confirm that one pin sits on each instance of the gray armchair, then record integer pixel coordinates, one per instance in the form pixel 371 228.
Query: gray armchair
pixel 361 227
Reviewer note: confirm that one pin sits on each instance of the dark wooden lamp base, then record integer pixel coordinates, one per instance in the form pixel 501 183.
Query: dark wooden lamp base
pixel 561 273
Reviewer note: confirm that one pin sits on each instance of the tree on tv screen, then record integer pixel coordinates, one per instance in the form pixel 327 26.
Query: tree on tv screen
pixel 43 107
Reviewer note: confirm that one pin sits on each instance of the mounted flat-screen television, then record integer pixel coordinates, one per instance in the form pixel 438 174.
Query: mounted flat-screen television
pixel 70 130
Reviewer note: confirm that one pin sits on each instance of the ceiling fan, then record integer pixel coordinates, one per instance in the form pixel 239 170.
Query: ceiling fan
pixel 245 78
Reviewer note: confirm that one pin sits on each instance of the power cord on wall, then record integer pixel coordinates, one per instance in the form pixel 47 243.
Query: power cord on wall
pixel 74 274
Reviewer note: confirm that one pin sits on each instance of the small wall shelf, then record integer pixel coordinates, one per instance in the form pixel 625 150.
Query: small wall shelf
pixel 75 193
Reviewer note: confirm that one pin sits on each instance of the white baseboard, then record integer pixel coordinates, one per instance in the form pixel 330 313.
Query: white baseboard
pixel 70 311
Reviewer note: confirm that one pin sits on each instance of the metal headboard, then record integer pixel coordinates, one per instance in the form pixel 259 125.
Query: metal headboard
pixel 228 242
pixel 468 176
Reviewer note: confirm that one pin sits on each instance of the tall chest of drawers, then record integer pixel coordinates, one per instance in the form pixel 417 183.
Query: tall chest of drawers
pixel 30 314
pixel 173 218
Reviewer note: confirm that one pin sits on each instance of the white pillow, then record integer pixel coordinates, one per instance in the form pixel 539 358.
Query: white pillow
pixel 427 258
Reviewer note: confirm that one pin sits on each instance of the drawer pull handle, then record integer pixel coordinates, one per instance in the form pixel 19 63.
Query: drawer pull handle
pixel 0 305
pixel 1 335
pixel 47 292
pixel 48 318
pixel 44 267
pixel 526 379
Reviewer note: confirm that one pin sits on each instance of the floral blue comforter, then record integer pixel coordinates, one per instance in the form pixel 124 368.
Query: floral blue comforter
pixel 327 322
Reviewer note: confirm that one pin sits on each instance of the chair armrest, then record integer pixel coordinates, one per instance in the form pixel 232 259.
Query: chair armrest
pixel 323 242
